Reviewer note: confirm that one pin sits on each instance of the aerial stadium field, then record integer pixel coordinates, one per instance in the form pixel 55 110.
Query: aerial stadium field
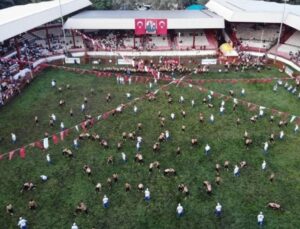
pixel 242 197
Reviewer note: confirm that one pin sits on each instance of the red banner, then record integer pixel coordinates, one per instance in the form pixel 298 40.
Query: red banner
pixel 55 139
pixel 22 153
pixel 162 26
pixel 39 144
pixel 10 155
pixel 140 27
pixel 64 134
pixel 151 26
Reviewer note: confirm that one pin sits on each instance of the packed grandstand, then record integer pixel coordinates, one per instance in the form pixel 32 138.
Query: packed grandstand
pixel 37 33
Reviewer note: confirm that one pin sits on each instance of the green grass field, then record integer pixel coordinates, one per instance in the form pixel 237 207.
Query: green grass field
pixel 242 198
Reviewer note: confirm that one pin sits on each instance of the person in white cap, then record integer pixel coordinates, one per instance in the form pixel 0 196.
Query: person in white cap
pixel 243 92
pixel 261 112
pixel 74 226
pixel 53 83
pixel 218 210
pixel 181 100
pixel 207 149
pixel 105 201
pixel 139 139
pixel 147 194
pixel 212 118
pixel 260 219
pixel 128 95
pixel 53 117
pixel 167 134
pixel 138 146
pixel 193 103
pixel 264 165
pixel 124 158
pixel 22 223
pixel 76 143
pixel 209 97
pixel 179 210
pixel 44 177
pixel 135 109
pixel 281 134
pixel 48 158
pixel 222 109
pixel 82 107
pixel 266 146
pixel 172 116
pixel 235 101
pixel 62 126
pixel 236 171
pixel 13 138
pixel 292 118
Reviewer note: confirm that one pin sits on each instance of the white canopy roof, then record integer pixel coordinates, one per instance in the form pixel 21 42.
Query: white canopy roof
pixel 256 11
pixel 116 19
pixel 19 19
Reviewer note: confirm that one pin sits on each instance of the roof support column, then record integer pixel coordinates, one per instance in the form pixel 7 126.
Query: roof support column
pixel 73 38
pixel 47 37
pixel 193 40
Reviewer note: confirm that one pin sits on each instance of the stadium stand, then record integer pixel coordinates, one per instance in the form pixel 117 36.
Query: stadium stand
pixel 255 36
pixel 248 30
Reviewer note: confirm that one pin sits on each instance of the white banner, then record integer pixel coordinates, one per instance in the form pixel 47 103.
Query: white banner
pixel 289 71
pixel 46 143
pixel 72 60
pixel 125 61
pixel 208 61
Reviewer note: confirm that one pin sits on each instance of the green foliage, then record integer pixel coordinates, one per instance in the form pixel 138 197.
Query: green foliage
pixel 242 198
pixel 102 4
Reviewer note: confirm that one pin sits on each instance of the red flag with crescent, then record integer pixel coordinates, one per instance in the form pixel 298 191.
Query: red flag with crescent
pixel 162 26
pixel 39 144
pixel 10 155
pixel 55 139
pixel 140 28
pixel 22 153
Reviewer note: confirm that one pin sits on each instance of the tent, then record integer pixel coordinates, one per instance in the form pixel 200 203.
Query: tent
pixel 196 7
pixel 228 50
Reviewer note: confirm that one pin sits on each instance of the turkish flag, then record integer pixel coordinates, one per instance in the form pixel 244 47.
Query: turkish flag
pixel 92 122
pixel 83 126
pixel 38 144
pixel 140 28
pixel 10 155
pixel 105 115
pixel 64 134
pixel 55 139
pixel 22 153
pixel 162 26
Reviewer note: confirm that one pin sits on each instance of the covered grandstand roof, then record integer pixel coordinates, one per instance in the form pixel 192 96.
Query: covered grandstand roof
pixel 19 19
pixel 179 19
pixel 256 11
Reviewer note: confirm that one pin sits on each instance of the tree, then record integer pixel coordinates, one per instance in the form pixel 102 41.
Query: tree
pixel 102 4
